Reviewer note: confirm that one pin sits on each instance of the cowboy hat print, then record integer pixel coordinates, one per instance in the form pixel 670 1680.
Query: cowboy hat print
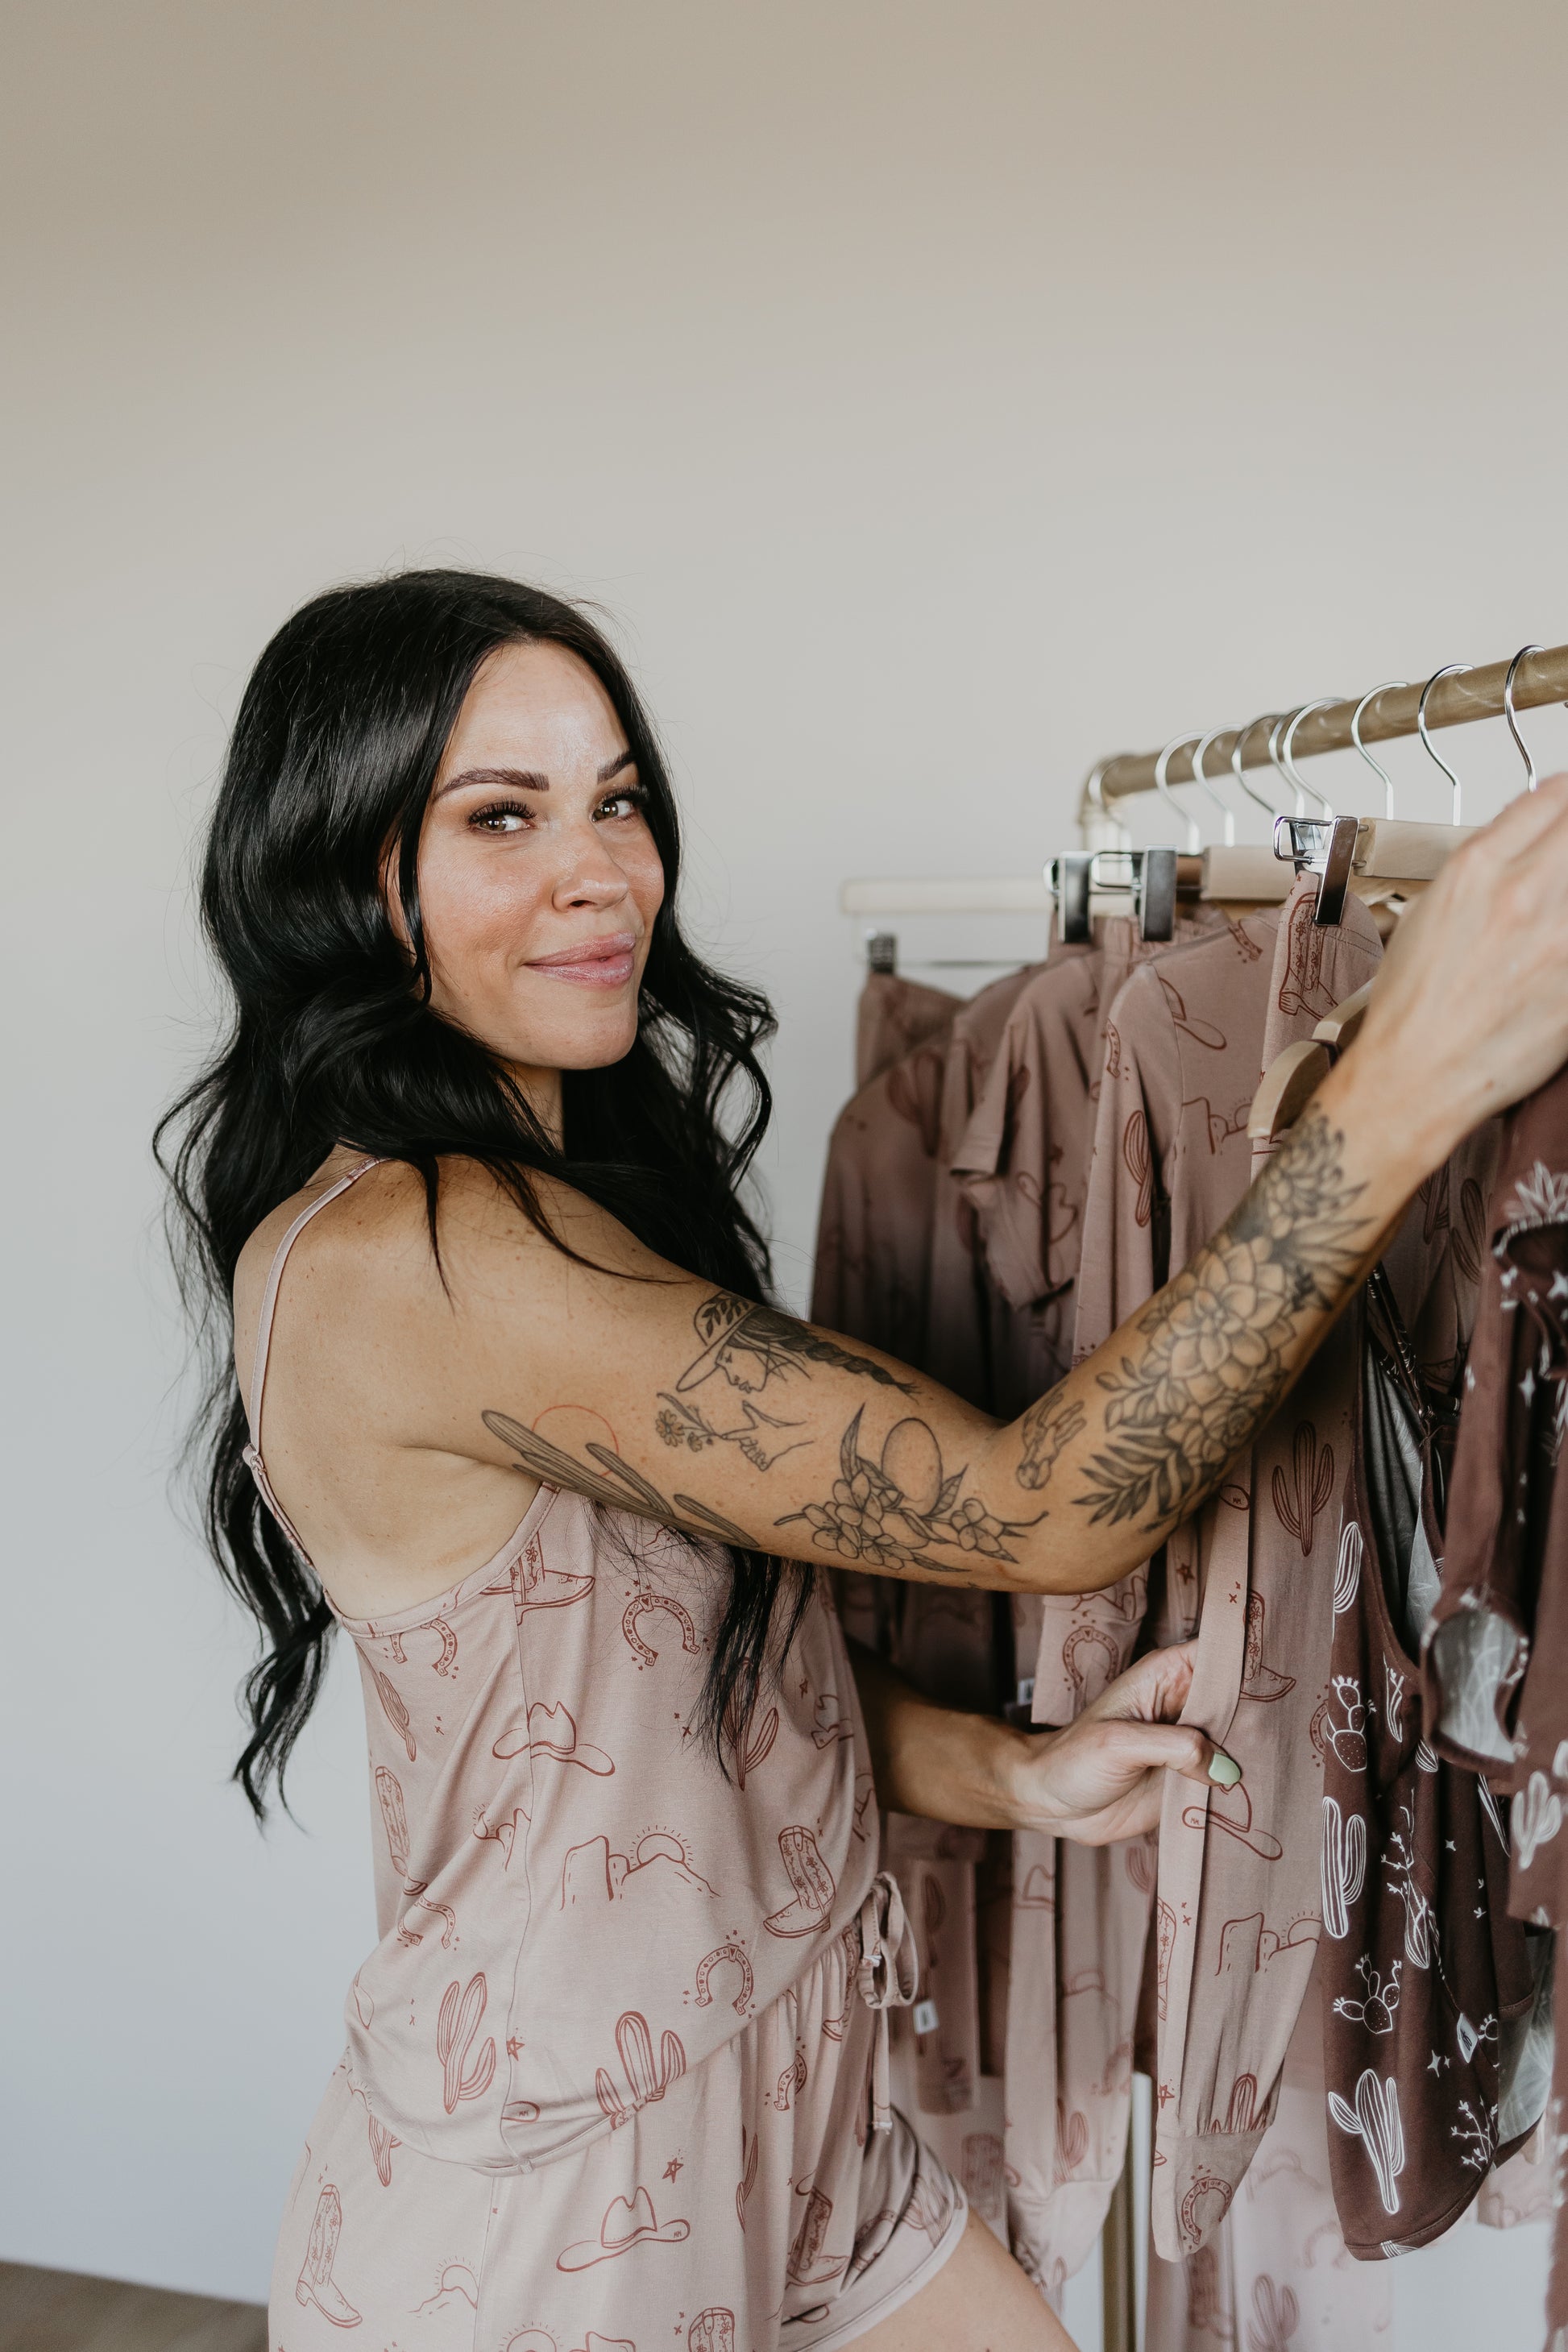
pixel 624 2225
pixel 553 1731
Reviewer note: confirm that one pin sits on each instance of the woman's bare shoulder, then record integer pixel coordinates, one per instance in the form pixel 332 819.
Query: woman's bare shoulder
pixel 370 1253
pixel 371 1246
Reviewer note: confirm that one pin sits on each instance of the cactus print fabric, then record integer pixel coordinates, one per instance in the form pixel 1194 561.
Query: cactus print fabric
pixel 617 2064
pixel 1496 1656
pixel 1182 1044
pixel 1236 1913
pixel 1427 1983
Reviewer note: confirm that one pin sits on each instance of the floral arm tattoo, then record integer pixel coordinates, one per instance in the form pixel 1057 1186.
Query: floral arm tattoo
pixel 1137 1438
pixel 1214 1361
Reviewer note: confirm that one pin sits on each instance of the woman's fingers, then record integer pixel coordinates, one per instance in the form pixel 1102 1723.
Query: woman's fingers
pixel 1131 1749
pixel 1152 1691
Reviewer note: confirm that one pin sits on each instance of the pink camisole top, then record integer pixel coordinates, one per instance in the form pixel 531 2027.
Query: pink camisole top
pixel 574 1904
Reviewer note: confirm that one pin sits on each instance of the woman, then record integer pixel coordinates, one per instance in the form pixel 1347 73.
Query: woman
pixel 615 2071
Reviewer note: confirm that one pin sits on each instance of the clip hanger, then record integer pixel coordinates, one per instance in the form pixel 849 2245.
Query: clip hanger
pixel 1323 846
pixel 1068 878
pixel 1150 878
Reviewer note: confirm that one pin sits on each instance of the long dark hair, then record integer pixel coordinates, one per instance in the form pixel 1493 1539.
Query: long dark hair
pixel 332 1040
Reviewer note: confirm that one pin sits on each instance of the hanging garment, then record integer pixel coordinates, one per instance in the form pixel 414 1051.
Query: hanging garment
pixel 619 2055
pixel 1511 1433
pixel 894 1015
pixel 957 1346
pixel 1238 1912
pixel 871 1273
pixel 1496 1657
pixel 1276 2276
pixel 874 1280
pixel 1166 1062
pixel 1426 1978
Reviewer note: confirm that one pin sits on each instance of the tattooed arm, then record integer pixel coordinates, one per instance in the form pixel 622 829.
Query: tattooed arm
pixel 621 1376
pixel 730 1420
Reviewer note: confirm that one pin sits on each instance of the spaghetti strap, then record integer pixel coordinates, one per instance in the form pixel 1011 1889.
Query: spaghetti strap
pixel 258 1382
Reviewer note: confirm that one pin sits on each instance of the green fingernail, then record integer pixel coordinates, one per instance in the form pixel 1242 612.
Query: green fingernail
pixel 1224 1769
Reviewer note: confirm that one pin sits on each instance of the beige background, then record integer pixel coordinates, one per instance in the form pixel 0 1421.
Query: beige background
pixel 936 397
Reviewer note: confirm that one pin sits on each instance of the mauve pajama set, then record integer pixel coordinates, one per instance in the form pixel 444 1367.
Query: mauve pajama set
pixel 617 2070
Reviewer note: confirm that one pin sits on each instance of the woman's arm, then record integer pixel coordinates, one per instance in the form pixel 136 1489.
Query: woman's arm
pixel 630 1380
pixel 1100 1780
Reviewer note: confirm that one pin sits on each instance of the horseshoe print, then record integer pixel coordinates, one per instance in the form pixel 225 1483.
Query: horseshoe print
pixel 715 1959
pixel 443 1633
pixel 639 1606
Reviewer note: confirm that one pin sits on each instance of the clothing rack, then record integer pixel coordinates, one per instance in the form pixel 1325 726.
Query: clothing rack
pixel 1541 675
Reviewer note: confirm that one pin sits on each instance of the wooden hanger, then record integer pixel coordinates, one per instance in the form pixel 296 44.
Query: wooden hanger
pixel 1293 1077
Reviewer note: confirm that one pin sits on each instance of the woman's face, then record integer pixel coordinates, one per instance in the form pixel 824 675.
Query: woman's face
pixel 539 880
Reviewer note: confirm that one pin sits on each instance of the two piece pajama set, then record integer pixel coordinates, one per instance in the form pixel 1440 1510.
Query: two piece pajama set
pixel 615 2076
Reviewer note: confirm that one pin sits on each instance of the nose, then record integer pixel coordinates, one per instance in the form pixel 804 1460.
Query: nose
pixel 589 875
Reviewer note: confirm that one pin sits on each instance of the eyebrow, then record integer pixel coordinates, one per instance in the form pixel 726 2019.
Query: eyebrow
pixel 527 779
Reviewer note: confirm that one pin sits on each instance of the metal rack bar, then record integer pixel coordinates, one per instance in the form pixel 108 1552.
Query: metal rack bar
pixel 1541 677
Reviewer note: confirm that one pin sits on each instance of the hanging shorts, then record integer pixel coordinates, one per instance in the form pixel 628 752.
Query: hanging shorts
pixel 746 2205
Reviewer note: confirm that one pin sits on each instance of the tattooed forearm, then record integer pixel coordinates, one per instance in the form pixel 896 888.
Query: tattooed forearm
pixel 1213 1359
pixel 613 1482
pixel 897 1512
pixel 1048 1425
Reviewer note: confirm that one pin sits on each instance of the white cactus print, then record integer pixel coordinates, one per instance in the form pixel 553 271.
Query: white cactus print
pixel 1393 1699
pixel 1345 1866
pixel 1347 1571
pixel 1474 2131
pixel 1535 1817
pixel 1420 1919
pixel 1542 1197
pixel 1376 2009
pixel 1375 2121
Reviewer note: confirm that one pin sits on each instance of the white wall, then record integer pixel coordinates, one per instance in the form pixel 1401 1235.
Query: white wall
pixel 938 397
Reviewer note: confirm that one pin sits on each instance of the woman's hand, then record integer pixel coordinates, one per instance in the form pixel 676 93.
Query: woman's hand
pixel 1101 1779
pixel 1097 1781
pixel 1471 1009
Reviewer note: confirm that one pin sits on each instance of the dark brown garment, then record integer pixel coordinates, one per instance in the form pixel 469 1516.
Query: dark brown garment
pixel 1501 1560
pixel 1496 1657
pixel 1423 1974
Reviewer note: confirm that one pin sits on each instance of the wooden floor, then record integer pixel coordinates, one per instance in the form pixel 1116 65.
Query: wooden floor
pixel 56 2311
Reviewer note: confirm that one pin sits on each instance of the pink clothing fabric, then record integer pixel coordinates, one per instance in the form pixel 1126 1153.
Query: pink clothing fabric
pixel 593 1943
pixel 1240 1906
pixel 1182 1035
pixel 894 1015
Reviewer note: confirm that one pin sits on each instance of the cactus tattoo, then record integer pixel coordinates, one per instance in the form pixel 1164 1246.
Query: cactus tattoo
pixel 614 1483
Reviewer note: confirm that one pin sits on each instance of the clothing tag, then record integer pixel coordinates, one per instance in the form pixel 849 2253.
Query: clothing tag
pixel 1027 1690
pixel 925 2017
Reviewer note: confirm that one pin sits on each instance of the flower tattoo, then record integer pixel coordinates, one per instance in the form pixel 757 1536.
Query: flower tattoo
pixel 1216 1339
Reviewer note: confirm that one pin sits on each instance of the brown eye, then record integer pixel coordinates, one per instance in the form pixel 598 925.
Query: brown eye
pixel 501 817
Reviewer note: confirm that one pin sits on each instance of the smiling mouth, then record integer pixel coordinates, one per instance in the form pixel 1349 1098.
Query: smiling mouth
pixel 598 963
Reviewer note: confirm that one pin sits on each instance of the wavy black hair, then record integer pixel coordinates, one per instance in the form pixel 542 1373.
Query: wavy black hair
pixel 333 1039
